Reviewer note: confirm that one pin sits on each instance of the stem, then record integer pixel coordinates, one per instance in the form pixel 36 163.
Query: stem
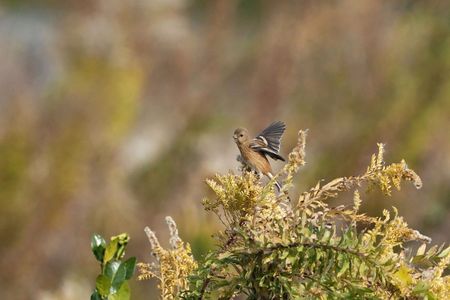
pixel 311 245
pixel 205 285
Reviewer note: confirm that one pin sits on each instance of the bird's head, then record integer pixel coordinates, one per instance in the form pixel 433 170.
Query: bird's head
pixel 240 135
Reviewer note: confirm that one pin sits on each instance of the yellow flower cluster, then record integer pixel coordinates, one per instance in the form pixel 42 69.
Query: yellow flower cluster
pixel 236 196
pixel 440 285
pixel 172 266
pixel 296 158
pixel 387 176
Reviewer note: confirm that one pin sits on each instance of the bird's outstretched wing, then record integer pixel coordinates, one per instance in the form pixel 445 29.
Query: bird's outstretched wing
pixel 268 141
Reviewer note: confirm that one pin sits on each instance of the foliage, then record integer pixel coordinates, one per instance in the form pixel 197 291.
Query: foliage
pixel 275 248
pixel 112 282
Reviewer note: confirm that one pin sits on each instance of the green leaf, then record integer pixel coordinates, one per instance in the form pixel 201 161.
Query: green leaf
pixel 329 265
pixel 292 259
pixel 326 236
pixel 422 261
pixel 444 253
pixel 102 285
pixel 122 294
pixel 118 278
pixel 111 268
pixel 96 296
pixel 284 254
pixel 224 255
pixel 420 288
pixel 111 250
pixel 267 260
pixel 362 269
pixel 344 268
pixel 117 272
pixel 130 265
pixel 432 251
pixel 98 246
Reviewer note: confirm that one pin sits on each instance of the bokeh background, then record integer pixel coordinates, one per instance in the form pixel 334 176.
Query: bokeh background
pixel 112 114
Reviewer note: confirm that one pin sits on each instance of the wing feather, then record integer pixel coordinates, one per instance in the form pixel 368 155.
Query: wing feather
pixel 268 141
pixel 272 135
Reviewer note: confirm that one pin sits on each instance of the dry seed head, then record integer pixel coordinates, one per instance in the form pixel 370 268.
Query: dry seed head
pixel 154 243
pixel 174 238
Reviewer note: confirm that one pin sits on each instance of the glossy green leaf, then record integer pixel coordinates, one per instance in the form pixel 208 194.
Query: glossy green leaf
pixel 98 245
pixel 96 296
pixel 111 268
pixel 118 278
pixel 130 266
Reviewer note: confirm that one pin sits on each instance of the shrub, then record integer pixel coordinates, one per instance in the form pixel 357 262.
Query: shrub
pixel 275 247
pixel 112 282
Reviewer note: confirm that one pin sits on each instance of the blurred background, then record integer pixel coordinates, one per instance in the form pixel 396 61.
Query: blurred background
pixel 112 114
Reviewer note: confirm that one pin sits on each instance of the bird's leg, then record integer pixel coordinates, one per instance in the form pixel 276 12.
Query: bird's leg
pixel 277 184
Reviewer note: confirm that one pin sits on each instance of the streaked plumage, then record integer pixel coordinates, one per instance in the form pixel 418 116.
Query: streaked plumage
pixel 254 152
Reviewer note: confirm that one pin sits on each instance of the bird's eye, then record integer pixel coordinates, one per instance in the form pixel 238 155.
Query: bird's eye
pixel 241 135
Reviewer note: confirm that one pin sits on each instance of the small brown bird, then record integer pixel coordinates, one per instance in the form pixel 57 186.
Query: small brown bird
pixel 254 152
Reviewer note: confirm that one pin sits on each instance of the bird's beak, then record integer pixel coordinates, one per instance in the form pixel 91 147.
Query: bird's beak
pixel 235 137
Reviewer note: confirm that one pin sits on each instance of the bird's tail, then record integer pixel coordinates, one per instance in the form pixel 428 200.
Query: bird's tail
pixel 277 184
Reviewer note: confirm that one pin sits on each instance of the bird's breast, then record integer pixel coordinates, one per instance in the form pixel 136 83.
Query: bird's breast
pixel 255 160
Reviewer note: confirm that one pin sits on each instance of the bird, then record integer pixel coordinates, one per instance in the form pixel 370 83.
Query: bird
pixel 254 152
